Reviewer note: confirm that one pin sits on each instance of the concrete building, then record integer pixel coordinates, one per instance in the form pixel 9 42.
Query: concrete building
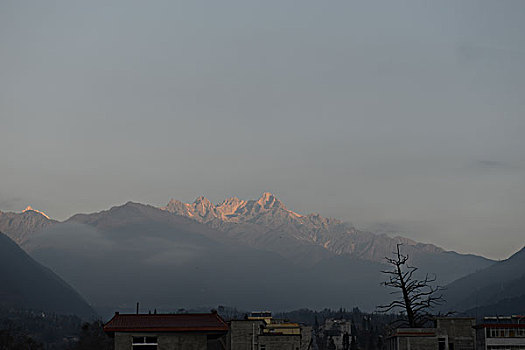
pixel 265 316
pixel 336 331
pixel 413 339
pixel 260 331
pixel 270 341
pixel 448 333
pixel 501 333
pixel 282 327
pixel 168 331
pixel 244 334
pixel 458 332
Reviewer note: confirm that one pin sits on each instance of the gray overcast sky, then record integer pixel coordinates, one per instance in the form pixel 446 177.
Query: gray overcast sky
pixel 402 116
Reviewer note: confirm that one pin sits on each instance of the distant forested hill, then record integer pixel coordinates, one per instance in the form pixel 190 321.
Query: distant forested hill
pixel 27 284
pixel 251 254
pixel 498 289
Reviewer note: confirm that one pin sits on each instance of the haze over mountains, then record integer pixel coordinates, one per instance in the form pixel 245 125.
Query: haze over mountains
pixel 28 285
pixel 254 253
pixel 497 289
pixel 404 118
pixel 268 224
pixel 140 253
pixel 22 226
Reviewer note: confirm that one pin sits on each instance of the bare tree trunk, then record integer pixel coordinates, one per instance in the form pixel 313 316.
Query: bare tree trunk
pixel 417 297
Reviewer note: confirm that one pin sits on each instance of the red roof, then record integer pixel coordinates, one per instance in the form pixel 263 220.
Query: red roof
pixel 500 325
pixel 166 323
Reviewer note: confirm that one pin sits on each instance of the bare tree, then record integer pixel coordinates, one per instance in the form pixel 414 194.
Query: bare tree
pixel 417 297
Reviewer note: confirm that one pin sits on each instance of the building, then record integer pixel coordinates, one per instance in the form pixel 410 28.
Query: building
pixel 448 333
pixel 413 339
pixel 501 333
pixel 336 332
pixel 279 341
pixel 282 327
pixel 168 331
pixel 459 332
pixel 265 316
pixel 260 331
pixel 244 334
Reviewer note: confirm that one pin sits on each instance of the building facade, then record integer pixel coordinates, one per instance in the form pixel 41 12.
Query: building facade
pixel 337 332
pixel 260 331
pixel 448 333
pixel 168 331
pixel 501 333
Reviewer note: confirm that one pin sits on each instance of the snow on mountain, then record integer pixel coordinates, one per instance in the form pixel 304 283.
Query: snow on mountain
pixel 270 213
pixel 266 223
pixel 21 226
pixel 29 208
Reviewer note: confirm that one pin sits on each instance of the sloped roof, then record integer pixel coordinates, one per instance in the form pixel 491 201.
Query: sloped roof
pixel 166 323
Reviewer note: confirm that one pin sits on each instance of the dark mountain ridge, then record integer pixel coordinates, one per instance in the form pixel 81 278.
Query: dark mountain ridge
pixel 250 254
pixel 266 223
pixel 28 285
pixel 168 261
pixel 497 284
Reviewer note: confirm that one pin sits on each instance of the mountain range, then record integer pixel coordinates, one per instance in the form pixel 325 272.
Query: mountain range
pixel 27 284
pixel 266 223
pixel 245 253
pixel 22 226
pixel 497 289
pixel 136 252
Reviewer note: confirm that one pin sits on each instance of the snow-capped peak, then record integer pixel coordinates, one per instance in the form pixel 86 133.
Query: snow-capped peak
pixel 29 208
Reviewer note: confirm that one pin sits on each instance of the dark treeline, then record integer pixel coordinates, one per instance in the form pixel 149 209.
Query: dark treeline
pixel 368 329
pixel 92 337
pixel 28 330
pixel 23 329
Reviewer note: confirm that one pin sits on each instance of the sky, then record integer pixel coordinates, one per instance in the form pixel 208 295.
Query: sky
pixel 404 117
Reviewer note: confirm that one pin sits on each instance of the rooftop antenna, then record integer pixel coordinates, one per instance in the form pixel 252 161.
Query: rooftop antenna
pixel 137 307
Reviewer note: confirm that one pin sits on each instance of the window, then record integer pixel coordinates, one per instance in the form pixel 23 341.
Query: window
pixel 499 333
pixel 144 343
pixel 442 343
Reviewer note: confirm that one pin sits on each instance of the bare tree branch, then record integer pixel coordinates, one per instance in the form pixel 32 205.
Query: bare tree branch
pixel 417 296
